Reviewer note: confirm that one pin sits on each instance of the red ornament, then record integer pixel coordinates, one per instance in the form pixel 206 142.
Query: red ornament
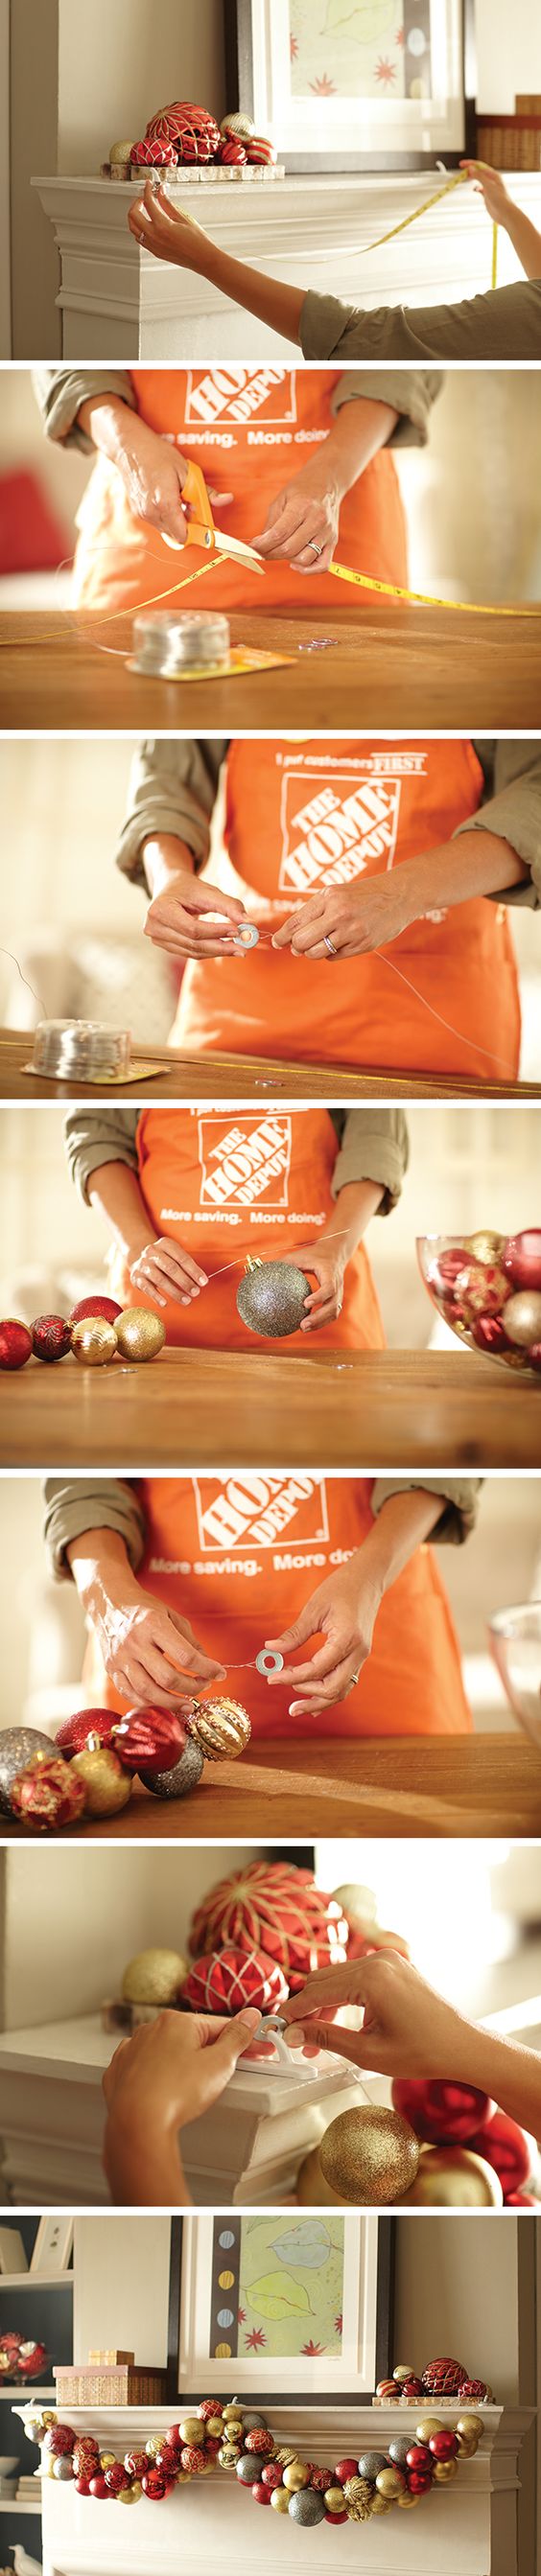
pixel 336 2517
pixel 15 1343
pixel 275 1907
pixel 481 1288
pixel 411 2390
pixel 442 2113
pixel 115 2477
pixel 82 2486
pixel 419 2456
pixel 146 156
pixel 51 1337
pixel 73 1735
pixel 104 1306
pixel 419 2482
pixel 149 1739
pixel 260 2440
pixel 259 148
pixel 192 2459
pixel 226 1979
pixel 507 2148
pixel 47 1795
pixel 521 1258
pixel 85 2456
pixel 154 2485
pixel 322 2478
pixel 98 2486
pixel 443 1272
pixel 136 2463
pixel 344 2469
pixel 474 2392
pixel 194 133
pixel 231 149
pixel 444 2445
pixel 207 2410
pixel 260 2493
pixel 272 2474
pixel 489 1335
pixel 443 2378
pixel 534 1357
pixel 520 2200
pixel 59 2439
pixel 30 2363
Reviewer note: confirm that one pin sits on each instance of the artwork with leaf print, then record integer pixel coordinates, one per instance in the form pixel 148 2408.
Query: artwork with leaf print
pixel 289 2287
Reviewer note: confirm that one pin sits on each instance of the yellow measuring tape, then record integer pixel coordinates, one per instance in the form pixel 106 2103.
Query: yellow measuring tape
pixel 457 181
pixel 425 599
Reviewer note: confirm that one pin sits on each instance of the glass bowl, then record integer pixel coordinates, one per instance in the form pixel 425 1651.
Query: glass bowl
pixel 515 1641
pixel 487 1288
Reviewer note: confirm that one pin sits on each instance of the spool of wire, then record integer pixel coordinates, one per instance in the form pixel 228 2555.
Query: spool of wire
pixel 80 1050
pixel 170 644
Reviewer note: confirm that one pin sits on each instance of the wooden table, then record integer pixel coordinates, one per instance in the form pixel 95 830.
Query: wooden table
pixel 213 1409
pixel 468 1785
pixel 181 1076
pixel 405 667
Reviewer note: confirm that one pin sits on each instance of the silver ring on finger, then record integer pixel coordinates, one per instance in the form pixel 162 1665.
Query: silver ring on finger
pixel 312 548
pixel 355 1677
pixel 329 944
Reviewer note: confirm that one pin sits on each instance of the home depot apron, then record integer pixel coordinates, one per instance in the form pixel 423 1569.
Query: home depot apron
pixel 225 1183
pixel 240 1555
pixel 304 817
pixel 251 429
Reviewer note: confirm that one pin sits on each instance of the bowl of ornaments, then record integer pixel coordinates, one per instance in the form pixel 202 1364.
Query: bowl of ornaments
pixel 515 1640
pixel 487 1288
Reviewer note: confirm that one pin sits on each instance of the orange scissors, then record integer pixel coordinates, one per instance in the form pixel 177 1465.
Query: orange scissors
pixel 200 528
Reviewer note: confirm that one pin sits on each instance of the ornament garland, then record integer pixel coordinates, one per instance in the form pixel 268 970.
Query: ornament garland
pixel 97 1332
pixel 90 1767
pixel 238 2440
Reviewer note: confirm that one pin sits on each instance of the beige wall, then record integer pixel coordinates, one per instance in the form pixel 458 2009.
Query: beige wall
pixel 34 133
pixel 121 2268
pixel 508 52
pixel 447 2303
pixel 132 1901
pixel 122 59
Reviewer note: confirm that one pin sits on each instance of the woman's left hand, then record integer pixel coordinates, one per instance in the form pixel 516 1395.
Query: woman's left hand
pixel 344 1611
pixel 302 523
pixel 359 918
pixel 327 1262
pixel 158 226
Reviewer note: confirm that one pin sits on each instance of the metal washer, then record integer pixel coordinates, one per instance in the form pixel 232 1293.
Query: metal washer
pixel 269 1662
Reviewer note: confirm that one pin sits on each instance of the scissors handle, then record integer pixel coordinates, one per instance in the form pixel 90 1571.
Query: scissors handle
pixel 200 527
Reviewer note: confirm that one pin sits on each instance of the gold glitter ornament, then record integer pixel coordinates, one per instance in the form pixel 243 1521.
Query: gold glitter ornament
pixel 215 2428
pixel 153 1977
pixel 296 2475
pixel 107 2459
pixel 229 2455
pixel 453 2178
pixel 271 1298
pixel 129 2495
pixel 443 2471
pixel 485 1246
pixel 192 2431
pixel 334 2499
pixel 369 2155
pixel 139 1336
pixel 107 1786
pixel 429 2424
pixel 93 1342
pixel 407 2502
pixel 220 1727
pixel 280 2499
pixel 380 2504
pixel 389 2483
pixel 471 2427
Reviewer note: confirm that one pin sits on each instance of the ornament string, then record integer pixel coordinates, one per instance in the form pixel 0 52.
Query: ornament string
pixel 30 988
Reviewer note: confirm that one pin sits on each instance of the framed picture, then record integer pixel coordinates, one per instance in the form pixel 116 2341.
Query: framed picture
pixel 356 84
pixel 53 2245
pixel 285 2304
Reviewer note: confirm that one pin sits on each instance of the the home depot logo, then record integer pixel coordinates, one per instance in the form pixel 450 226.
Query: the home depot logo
pixel 239 395
pixel 244 1162
pixel 341 828
pixel 254 1511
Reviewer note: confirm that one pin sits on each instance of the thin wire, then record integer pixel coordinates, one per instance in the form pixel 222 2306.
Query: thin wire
pixel 36 997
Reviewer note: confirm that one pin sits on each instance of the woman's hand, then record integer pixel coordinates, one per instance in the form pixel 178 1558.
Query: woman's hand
pixel 153 475
pixel 165 229
pixel 172 2070
pixel 193 920
pixel 407 2029
pixel 358 918
pixel 327 1261
pixel 343 1610
pixel 166 1272
pixel 302 523
pixel 150 1653
pixel 490 185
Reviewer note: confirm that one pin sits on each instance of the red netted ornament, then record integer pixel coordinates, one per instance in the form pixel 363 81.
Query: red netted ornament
pixel 47 1795
pixel 276 1908
pixel 152 156
pixel 444 2378
pixel 194 133
pixel 226 1979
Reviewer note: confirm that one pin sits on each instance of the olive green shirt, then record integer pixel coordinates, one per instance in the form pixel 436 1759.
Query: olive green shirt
pixel 504 323
pixel 60 391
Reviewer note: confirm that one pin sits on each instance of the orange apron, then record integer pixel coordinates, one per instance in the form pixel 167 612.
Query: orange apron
pixel 251 429
pixel 224 1183
pixel 239 1556
pixel 302 818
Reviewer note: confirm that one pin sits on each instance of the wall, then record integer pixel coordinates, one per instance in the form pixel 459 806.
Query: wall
pixel 122 59
pixel 34 136
pixel 508 52
pixel 121 2287
pixel 131 1902
pixel 5 278
pixel 459 2301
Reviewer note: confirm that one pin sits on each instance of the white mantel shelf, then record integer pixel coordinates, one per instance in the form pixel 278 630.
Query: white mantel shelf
pixel 119 303
pixel 470 2526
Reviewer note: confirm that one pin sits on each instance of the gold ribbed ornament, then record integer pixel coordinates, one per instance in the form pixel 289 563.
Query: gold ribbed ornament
pixel 220 1727
pixel 93 1342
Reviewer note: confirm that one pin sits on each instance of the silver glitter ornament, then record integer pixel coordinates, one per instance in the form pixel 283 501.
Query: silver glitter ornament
pixel 63 2468
pixel 398 2452
pixel 254 2423
pixel 307 2506
pixel 178 1782
pixel 271 1297
pixel 19 1746
pixel 371 2462
pixel 247 2469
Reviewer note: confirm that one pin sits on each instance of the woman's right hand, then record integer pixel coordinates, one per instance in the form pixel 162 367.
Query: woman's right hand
pixel 167 1273
pixel 193 920
pixel 407 2029
pixel 150 1653
pixel 153 474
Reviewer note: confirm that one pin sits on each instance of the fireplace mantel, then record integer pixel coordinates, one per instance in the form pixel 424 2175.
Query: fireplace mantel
pixel 117 302
pixel 470 2526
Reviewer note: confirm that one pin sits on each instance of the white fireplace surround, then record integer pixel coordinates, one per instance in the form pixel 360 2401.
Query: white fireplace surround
pixel 467 2529
pixel 117 302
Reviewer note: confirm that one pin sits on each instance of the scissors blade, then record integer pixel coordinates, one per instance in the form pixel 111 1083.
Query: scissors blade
pixel 241 554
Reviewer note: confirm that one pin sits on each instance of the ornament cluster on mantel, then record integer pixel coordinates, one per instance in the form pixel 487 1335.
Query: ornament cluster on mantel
pixel 274 2473
pixel 188 138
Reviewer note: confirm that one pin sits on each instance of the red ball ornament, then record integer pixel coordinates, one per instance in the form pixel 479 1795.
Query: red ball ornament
pixel 323 2478
pixel 60 2439
pixel 444 2445
pixel 272 2474
pixel 259 148
pixel 31 2361
pixel 226 1979
pixel 344 2469
pixel 98 2486
pixel 443 2378
pixel 507 2148
pixel 74 1733
pixel 194 133
pixel 474 2392
pixel 82 2486
pixel 419 2456
pixel 442 2113
pixel 15 1343
pixel 419 2483
pixel 520 2200
pixel 85 2456
pixel 260 2440
pixel 208 2409
pixel 154 2485
pixel 521 1258
pixel 104 1306
pixel 192 2459
pixel 411 2390
pixel 481 1288
pixel 47 1795
pixel 115 2477
pixel 275 1907
pixel 260 2493
pixel 147 156
pixel 232 150
pixel 336 2518
pixel 444 1271
pixel 489 1335
pixel 534 1357
pixel 51 1337
pixel 149 1739
pixel 136 2463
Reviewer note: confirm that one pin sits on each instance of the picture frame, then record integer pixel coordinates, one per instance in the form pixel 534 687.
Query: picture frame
pixel 356 84
pixel 282 2360
pixel 53 2245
